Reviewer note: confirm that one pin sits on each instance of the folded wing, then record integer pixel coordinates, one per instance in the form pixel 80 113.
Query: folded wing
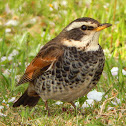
pixel 48 55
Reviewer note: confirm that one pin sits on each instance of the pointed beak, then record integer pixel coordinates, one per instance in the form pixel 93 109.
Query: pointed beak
pixel 102 26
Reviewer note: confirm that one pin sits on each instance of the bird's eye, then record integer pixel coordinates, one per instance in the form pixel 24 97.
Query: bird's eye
pixel 84 27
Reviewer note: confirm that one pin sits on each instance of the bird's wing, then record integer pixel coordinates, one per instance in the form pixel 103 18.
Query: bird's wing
pixel 47 56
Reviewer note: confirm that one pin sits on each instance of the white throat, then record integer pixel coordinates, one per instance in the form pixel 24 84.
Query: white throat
pixel 89 43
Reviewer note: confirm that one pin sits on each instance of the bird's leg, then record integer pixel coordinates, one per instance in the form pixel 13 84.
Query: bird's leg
pixel 46 105
pixel 75 108
pixel 73 105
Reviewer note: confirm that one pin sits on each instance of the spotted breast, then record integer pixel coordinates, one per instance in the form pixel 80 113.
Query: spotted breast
pixel 72 76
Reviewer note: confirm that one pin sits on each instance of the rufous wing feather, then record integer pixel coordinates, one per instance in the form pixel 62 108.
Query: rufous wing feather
pixel 41 62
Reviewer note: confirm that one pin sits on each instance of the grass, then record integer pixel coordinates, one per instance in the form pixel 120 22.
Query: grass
pixel 37 23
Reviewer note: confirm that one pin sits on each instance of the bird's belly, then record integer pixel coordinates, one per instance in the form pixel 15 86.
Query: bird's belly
pixel 67 93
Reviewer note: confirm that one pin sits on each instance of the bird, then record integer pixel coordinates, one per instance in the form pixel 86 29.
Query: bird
pixel 67 67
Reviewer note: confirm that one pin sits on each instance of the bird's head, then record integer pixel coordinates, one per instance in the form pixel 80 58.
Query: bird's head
pixel 83 33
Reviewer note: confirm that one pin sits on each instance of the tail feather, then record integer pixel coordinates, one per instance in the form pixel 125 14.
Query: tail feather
pixel 26 100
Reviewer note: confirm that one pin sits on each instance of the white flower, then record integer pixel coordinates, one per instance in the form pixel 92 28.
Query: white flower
pixel 77 104
pixel 55 5
pixel 12 22
pixel 124 72
pixel 3 101
pixel 111 108
pixel 115 71
pixel 51 9
pixel 113 102
pixel 10 58
pixel 87 3
pixel 106 5
pixel 64 12
pixel 64 3
pixel 11 100
pixel 51 23
pixel 3 58
pixel 7 105
pixel 26 64
pixel 106 96
pixel 1 39
pixel 7 30
pixel 33 20
pixel 116 101
pixel 43 33
pixel 88 103
pixel 92 95
pixel 95 95
pixel 1 107
pixel 14 53
pixel 59 103
pixel 17 77
pixel 7 72
pixel 116 22
pixel 1 114
pixel 107 52
pixel 8 10
pixel 48 35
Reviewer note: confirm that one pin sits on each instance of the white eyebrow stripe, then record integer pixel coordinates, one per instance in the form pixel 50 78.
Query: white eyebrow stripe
pixel 79 24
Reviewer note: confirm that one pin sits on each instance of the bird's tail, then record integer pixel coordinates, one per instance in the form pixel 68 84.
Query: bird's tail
pixel 27 100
